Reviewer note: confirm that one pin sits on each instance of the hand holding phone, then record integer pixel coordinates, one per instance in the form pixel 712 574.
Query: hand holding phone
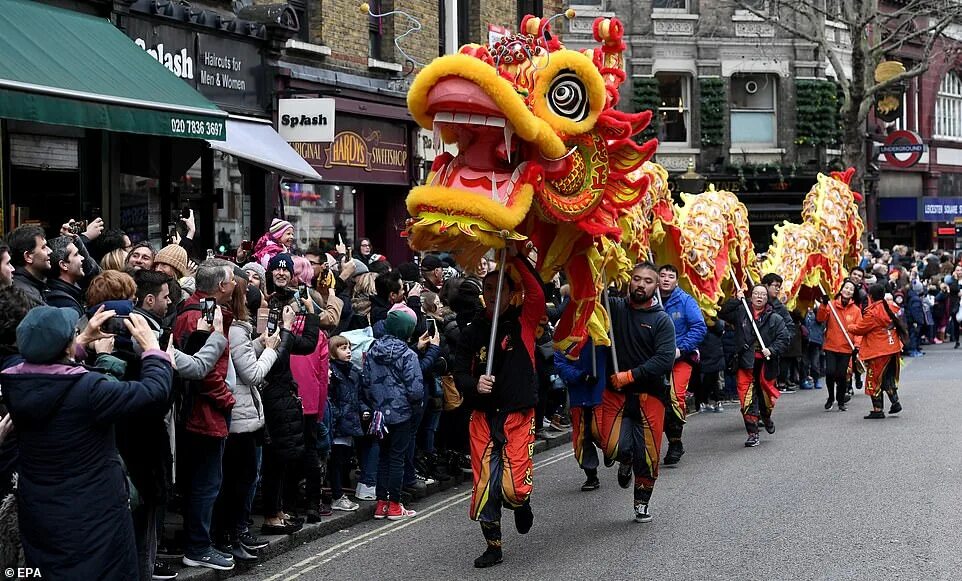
pixel 115 325
pixel 273 320
pixel 432 326
pixel 207 306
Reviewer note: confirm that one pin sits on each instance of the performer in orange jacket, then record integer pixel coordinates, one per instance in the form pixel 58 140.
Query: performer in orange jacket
pixel 838 351
pixel 883 334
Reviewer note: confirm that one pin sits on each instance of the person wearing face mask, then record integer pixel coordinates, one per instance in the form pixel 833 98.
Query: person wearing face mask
pixel 756 372
pixel 633 406
pixel 839 359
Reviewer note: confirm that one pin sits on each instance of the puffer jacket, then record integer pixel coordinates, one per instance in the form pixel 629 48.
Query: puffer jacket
pixel 345 399
pixel 252 362
pixel 771 327
pixel 283 412
pixel 392 379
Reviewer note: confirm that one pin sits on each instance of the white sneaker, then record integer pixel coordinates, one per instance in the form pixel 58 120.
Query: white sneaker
pixel 344 503
pixel 364 492
pixel 718 407
pixel 642 514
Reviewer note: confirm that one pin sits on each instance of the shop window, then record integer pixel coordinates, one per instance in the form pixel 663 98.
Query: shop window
pixel 753 110
pixel 232 216
pixel 948 107
pixel 319 212
pixel 673 91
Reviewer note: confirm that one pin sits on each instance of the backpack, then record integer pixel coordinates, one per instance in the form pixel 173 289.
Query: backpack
pixel 361 341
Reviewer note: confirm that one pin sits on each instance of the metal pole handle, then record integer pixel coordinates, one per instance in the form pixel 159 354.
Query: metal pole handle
pixel 748 310
pixel 838 320
pixel 611 324
pixel 489 366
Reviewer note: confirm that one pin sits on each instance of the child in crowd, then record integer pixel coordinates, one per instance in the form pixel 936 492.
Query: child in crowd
pixel 346 408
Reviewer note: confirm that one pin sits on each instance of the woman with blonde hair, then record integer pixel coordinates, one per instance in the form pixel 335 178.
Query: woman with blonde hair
pixel 114 260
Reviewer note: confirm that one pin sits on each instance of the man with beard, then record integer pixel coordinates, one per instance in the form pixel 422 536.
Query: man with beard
pixel 502 419
pixel 632 416
pixel 690 329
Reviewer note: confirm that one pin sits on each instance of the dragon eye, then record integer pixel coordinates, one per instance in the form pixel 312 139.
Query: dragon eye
pixel 567 97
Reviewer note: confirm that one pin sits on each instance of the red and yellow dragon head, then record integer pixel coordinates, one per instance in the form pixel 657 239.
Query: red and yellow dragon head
pixel 542 154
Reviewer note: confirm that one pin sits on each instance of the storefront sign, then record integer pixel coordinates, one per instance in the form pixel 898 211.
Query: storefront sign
pixel 308 120
pixel 225 70
pixel 941 209
pixel 903 148
pixel 362 151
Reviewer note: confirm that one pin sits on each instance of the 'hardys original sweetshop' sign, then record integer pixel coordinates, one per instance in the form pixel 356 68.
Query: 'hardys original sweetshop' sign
pixel 363 151
pixel 226 71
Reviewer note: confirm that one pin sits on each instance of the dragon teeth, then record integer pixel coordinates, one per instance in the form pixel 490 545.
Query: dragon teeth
pixel 494 189
pixel 470 119
pixel 508 134
pixel 437 137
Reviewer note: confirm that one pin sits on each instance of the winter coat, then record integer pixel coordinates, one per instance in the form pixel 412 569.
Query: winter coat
pixel 878 330
pixel 311 374
pixel 283 412
pixel 252 361
pixel 782 311
pixel 816 330
pixel 64 295
pixel 584 386
pixel 344 397
pixel 31 286
pixel 689 323
pixel 712 350
pixel 834 338
pixel 74 517
pixel 770 326
pixel 914 313
pixel 392 379
pixel 795 347
pixel 645 344
pixel 211 399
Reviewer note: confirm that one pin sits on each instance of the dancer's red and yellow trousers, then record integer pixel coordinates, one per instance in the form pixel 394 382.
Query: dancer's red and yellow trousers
pixel 757 394
pixel 677 409
pixel 632 426
pixel 585 435
pixel 502 446
pixel 882 376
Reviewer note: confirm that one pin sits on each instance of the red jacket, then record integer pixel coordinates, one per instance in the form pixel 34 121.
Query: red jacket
pixel 834 337
pixel 880 335
pixel 213 400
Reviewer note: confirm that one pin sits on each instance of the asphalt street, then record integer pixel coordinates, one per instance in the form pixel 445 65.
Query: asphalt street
pixel 829 496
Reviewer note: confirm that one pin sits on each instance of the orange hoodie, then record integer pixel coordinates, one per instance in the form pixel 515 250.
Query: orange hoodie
pixel 850 315
pixel 880 336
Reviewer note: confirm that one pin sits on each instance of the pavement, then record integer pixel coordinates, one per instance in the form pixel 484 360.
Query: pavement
pixel 829 496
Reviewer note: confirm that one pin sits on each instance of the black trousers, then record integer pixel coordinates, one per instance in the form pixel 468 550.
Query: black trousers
pixel 837 378
pixel 240 472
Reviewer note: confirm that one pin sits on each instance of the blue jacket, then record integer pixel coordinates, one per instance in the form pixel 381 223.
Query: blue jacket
pixel 690 327
pixel 74 519
pixel 816 330
pixel 575 374
pixel 392 379
pixel 915 313
pixel 345 399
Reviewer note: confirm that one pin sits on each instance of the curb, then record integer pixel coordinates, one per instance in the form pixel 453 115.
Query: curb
pixel 332 524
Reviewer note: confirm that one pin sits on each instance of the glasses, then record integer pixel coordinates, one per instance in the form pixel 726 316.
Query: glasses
pixel 315 262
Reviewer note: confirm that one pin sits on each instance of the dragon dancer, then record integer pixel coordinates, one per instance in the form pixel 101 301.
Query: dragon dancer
pixel 633 407
pixel 502 426
pixel 585 379
pixel 690 329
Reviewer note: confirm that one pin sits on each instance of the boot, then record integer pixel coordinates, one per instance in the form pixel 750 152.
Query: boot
pixel 675 451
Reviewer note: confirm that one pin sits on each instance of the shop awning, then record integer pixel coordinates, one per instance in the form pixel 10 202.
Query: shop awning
pixel 67 68
pixel 256 141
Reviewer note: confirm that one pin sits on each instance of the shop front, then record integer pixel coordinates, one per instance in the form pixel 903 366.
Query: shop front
pixel 366 176
pixel 80 107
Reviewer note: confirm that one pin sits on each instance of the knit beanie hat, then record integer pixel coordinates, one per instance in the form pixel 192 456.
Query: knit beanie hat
pixel 360 267
pixel 175 256
pixel 400 322
pixel 256 268
pixel 282 260
pixel 278 227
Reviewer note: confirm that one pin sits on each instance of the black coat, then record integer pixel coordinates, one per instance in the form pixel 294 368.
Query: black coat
pixel 344 397
pixel 770 326
pixel 74 517
pixel 711 349
pixel 283 412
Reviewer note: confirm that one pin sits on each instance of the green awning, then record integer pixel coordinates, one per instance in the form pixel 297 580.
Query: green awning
pixel 68 68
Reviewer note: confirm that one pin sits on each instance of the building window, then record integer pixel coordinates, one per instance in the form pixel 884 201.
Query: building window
pixel 753 109
pixel 749 5
pixel 674 94
pixel 533 7
pixel 302 10
pixel 672 5
pixel 375 32
pixel 948 107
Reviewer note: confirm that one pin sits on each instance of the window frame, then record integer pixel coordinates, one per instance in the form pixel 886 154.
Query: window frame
pixel 733 111
pixel 948 108
pixel 661 10
pixel 686 90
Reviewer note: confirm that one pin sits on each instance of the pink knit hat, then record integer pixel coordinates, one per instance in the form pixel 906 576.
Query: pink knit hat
pixel 404 309
pixel 278 227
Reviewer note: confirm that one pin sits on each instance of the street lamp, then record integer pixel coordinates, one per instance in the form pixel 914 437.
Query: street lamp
pixel 691 182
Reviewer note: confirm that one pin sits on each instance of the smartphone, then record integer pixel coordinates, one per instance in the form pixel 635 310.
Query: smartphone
pixel 78 227
pixel 185 212
pixel 432 326
pixel 302 291
pixel 273 319
pixel 210 253
pixel 207 306
pixel 95 213
pixel 115 325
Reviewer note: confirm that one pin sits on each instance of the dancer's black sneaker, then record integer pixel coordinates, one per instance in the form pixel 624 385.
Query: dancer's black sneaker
pixel 609 462
pixel 842 407
pixel 624 474
pixel 769 426
pixel 675 451
pixel 592 483
pixel 642 512
pixel 875 415
pixel 752 441
pixel 829 403
pixel 896 408
pixel 523 518
pixel 491 557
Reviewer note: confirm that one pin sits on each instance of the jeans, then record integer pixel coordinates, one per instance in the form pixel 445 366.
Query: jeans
pixel 913 338
pixel 369 452
pixel 240 472
pixel 390 472
pixel 201 474
pixel 410 477
pixel 338 469
pixel 429 427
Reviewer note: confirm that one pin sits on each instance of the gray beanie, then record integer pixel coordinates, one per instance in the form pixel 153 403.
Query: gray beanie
pixel 257 268
pixel 360 268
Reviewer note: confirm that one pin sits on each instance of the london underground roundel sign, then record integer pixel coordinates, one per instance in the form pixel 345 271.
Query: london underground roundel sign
pixel 903 148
